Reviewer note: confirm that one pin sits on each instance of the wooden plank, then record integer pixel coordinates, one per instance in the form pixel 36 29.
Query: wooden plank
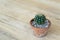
pixel 16 14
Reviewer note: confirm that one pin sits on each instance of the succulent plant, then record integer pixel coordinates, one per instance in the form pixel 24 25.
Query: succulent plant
pixel 40 19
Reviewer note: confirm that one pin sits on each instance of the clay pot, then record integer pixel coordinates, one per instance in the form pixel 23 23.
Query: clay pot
pixel 40 32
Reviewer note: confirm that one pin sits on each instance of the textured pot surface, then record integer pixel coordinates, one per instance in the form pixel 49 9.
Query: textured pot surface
pixel 40 31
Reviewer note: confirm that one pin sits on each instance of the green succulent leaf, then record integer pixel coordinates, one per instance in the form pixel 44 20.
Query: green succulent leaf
pixel 40 19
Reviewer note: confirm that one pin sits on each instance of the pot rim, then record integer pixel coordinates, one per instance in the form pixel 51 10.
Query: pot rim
pixel 38 27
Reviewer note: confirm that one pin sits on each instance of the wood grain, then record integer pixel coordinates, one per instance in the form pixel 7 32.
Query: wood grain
pixel 16 14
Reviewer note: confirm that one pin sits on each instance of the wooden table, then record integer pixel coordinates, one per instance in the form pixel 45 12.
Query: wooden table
pixel 16 14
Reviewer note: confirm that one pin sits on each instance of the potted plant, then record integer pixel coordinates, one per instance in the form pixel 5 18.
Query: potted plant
pixel 40 25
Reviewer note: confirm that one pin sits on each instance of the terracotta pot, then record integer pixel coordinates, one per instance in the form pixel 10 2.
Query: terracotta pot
pixel 40 32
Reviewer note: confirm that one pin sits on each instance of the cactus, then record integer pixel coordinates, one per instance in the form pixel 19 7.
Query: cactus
pixel 40 19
